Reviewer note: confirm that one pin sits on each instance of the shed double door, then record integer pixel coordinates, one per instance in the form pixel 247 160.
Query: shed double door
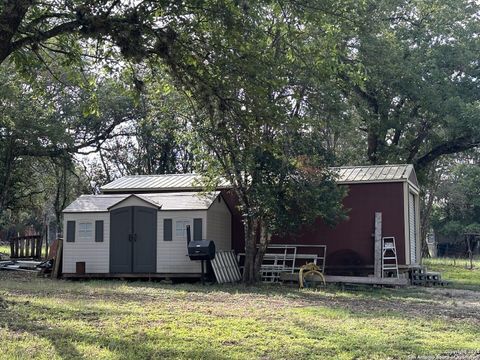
pixel 133 240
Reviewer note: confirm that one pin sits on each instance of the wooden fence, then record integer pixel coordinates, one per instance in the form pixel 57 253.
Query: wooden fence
pixel 26 247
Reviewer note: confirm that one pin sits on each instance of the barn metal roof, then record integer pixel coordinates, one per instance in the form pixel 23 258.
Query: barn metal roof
pixel 166 201
pixel 170 182
pixel 376 173
pixel 178 182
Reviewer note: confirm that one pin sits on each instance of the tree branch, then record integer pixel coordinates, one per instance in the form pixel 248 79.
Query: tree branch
pixel 54 151
pixel 422 134
pixel 451 147
pixel 13 12
pixel 68 27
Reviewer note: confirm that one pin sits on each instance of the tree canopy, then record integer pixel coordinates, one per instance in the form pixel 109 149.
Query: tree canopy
pixel 420 98
pixel 458 207
pixel 412 95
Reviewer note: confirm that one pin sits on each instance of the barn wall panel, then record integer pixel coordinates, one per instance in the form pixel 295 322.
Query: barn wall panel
pixel 350 243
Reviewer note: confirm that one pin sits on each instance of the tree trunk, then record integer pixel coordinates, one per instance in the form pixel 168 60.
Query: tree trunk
pixel 264 240
pixel 11 16
pixel 468 239
pixel 6 176
pixel 372 141
pixel 250 251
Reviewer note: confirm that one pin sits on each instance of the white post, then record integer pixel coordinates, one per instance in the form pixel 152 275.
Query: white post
pixel 377 267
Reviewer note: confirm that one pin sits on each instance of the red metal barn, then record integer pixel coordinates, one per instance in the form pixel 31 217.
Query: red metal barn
pixel 390 189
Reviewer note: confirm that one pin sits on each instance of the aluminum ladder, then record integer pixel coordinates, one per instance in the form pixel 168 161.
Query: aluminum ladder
pixel 389 257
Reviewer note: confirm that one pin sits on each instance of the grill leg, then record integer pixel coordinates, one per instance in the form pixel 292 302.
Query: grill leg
pixel 203 272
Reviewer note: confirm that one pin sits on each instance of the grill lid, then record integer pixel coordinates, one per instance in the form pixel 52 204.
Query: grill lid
pixel 201 250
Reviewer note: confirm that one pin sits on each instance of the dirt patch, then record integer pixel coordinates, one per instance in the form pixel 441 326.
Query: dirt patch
pixel 23 276
pixel 447 304
pixel 454 355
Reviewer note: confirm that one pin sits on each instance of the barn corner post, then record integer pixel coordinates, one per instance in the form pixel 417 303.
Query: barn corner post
pixel 377 266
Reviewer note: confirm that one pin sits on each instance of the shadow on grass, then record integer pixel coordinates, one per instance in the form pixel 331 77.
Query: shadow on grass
pixel 399 302
pixel 359 342
pixel 330 329
pixel 115 286
pixel 27 318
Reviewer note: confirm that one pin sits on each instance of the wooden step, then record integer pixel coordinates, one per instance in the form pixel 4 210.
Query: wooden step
pixel 352 279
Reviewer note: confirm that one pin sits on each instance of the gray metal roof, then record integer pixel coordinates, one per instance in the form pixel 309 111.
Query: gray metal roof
pixel 176 182
pixel 166 201
pixel 376 173
pixel 170 182
pixel 184 200
pixel 94 203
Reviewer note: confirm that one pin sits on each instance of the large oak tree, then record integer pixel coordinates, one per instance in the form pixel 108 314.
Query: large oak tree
pixel 421 94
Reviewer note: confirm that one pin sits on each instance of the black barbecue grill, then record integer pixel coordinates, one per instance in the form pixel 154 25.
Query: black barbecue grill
pixel 200 250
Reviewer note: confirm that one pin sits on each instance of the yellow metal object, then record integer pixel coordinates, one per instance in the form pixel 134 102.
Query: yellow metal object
pixel 309 269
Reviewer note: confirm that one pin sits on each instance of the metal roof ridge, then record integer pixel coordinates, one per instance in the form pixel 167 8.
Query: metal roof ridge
pixel 368 166
pixel 157 175
pixel 192 181
pixel 101 194
pixel 179 193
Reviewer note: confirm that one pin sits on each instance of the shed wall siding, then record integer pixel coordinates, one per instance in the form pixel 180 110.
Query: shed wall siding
pixel 172 255
pixel 219 225
pixel 96 255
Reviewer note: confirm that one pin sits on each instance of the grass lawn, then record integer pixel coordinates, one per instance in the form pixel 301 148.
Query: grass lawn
pixel 47 319
pixel 457 271
pixel 5 249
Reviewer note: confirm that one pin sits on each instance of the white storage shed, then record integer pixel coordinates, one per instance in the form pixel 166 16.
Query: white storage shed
pixel 141 234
